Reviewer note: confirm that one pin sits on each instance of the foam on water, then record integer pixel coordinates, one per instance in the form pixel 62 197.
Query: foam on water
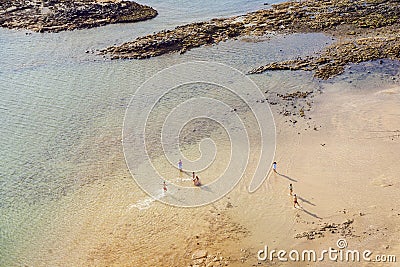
pixel 146 203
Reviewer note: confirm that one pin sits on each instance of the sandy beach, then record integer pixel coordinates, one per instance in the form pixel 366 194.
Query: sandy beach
pixel 345 175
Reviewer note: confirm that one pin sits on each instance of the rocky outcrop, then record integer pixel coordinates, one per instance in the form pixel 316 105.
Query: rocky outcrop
pixel 62 15
pixel 369 29
pixel 181 39
pixel 332 60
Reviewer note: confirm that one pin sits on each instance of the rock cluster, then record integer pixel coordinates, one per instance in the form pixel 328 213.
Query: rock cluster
pixel 356 20
pixel 333 59
pixel 295 95
pixel 344 229
pixel 295 106
pixel 61 15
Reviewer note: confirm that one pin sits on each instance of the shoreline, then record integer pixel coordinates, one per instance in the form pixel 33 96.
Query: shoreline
pixel 338 184
pixel 67 15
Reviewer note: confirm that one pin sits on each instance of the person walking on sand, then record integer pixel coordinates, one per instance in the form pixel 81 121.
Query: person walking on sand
pixel 291 189
pixel 274 166
pixel 295 202
pixel 165 186
pixel 196 181
pixel 180 165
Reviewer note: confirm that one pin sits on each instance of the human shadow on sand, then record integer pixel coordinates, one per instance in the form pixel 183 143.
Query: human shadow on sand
pixel 306 201
pixel 309 213
pixel 205 188
pixel 287 177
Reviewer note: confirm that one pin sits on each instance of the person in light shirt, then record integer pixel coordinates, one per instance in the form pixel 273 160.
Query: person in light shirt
pixel 180 165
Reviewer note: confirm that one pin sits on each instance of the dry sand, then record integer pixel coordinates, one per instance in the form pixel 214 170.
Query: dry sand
pixel 346 170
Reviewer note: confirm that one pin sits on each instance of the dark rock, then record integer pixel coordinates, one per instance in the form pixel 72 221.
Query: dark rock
pixel 355 21
pixel 65 15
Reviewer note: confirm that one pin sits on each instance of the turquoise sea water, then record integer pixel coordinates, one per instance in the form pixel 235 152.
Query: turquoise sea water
pixel 58 101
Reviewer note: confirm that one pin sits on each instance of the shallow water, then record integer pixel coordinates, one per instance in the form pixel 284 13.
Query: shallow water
pixel 62 109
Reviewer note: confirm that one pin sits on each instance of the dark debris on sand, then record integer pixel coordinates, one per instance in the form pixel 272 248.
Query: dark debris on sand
pixel 343 229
